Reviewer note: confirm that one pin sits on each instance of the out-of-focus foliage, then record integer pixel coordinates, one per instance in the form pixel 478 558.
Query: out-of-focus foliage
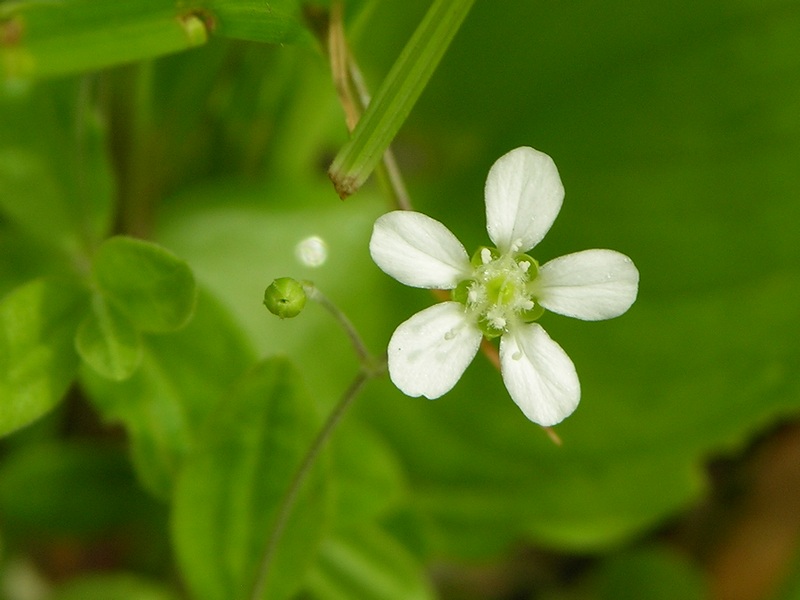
pixel 676 131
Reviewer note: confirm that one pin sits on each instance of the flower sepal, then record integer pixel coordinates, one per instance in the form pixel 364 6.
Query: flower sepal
pixel 285 297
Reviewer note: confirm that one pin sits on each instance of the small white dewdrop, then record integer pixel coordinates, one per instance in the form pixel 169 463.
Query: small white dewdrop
pixel 311 251
pixel 500 292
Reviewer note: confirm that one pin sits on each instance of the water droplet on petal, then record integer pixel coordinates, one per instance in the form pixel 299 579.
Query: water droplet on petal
pixel 517 355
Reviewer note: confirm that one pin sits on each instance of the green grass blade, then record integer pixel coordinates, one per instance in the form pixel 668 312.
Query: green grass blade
pixel 398 93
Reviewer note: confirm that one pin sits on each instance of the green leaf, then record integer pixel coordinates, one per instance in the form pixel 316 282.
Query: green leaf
pixel 367 563
pixel 669 158
pixel 182 377
pixel 44 39
pixel 23 259
pixel 37 356
pixel 487 476
pixel 108 341
pixel 397 95
pixel 70 489
pixel 30 190
pixel 232 488
pixel 277 22
pixel 194 224
pixel 53 162
pixel 653 573
pixel 152 286
pixel 367 478
pixel 113 586
pixel 49 39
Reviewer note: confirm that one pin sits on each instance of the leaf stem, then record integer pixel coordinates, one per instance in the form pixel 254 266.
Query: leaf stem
pixel 364 356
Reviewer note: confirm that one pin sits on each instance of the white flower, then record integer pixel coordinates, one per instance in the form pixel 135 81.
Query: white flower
pixel 501 291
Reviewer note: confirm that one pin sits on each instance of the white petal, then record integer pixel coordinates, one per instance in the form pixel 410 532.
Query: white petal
pixel 418 251
pixel 429 352
pixel 591 285
pixel 539 375
pixel 523 197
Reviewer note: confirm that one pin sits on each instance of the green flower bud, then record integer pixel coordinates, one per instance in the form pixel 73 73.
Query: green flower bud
pixel 285 297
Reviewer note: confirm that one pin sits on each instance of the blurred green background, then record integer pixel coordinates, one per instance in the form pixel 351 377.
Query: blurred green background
pixel 676 130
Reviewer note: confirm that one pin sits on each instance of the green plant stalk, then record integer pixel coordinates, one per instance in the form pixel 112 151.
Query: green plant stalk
pixel 394 100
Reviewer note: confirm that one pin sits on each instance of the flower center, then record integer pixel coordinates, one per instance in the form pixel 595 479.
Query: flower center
pixel 498 294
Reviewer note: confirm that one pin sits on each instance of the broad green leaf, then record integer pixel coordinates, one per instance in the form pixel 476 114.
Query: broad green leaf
pixel 366 562
pixel 55 175
pixel 108 342
pixel 37 356
pixel 182 377
pixel 487 476
pixel 70 489
pixel 152 286
pixel 667 157
pixel 232 488
pixel 367 480
pixel 44 39
pixel 113 586
pixel 653 573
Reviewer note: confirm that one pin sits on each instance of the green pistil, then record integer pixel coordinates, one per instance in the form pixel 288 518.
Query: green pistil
pixel 497 294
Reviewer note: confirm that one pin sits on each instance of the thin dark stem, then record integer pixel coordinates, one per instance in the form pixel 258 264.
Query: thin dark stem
pixel 287 505
pixel 364 356
pixel 393 176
